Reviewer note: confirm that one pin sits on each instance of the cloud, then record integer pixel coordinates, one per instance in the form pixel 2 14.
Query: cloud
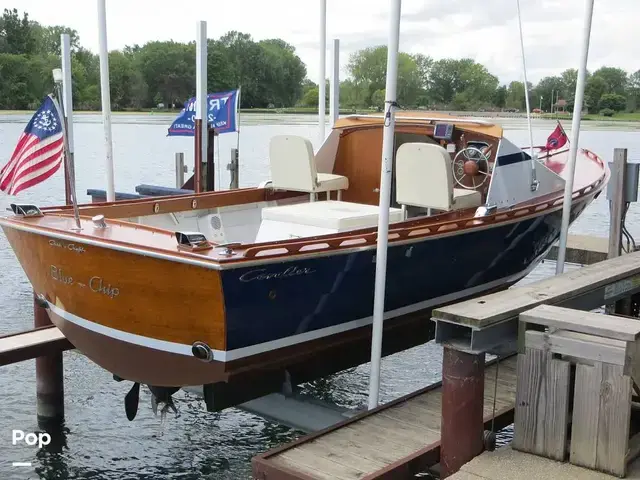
pixel 485 30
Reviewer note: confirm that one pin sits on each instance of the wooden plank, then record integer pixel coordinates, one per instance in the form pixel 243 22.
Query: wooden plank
pixel 386 439
pixel 29 339
pixel 607 326
pixel 614 420
pixel 343 453
pixel 601 418
pixel 489 309
pixel 312 462
pixel 586 409
pixel 374 448
pixel 578 346
pixel 542 404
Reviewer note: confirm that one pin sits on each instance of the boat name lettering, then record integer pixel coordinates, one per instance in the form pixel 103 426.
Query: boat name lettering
pixel 262 274
pixel 58 275
pixel 69 246
pixel 96 284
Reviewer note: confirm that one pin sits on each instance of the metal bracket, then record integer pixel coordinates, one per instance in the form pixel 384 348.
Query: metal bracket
pixel 192 241
pixel 25 210
pixel 502 336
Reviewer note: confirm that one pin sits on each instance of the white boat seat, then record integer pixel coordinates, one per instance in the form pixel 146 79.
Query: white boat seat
pixel 424 179
pixel 293 167
pixel 334 215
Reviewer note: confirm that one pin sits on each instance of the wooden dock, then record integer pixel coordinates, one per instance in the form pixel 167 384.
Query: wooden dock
pixel 38 342
pixel 391 441
pixel 508 464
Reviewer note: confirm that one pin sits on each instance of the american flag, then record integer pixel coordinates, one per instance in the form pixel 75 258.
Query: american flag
pixel 39 152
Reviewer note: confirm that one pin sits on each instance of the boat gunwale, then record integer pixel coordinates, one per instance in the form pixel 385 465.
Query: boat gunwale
pixel 397 236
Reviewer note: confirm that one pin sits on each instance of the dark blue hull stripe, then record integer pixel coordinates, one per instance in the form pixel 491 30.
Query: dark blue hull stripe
pixel 284 303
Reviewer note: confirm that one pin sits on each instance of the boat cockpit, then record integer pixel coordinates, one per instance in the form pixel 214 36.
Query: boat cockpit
pixel 444 168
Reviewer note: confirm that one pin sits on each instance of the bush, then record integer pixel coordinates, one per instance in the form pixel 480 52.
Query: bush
pixel 613 101
pixel 607 112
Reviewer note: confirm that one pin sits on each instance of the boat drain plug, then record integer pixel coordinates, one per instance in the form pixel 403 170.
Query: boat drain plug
pixel 202 351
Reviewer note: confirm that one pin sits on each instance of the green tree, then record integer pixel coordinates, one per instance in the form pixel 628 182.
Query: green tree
pixel 500 96
pixel 168 69
pixel 377 99
pixel 633 91
pixel 545 88
pixel 369 67
pixel 614 78
pixel 310 97
pixel 48 39
pixel 594 89
pixel 613 101
pixel 16 34
pixel 449 77
pixel 352 94
pixel 515 96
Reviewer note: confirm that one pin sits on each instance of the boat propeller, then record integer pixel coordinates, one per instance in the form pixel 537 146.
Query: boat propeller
pixel 160 396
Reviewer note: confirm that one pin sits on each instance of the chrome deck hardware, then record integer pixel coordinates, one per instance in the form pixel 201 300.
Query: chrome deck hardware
pixel 192 241
pixel 99 222
pixel 227 248
pixel 25 210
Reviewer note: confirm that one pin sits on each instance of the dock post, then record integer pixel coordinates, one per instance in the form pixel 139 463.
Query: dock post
pixel 49 377
pixel 462 409
pixel 180 170
pixel 234 169
pixel 616 215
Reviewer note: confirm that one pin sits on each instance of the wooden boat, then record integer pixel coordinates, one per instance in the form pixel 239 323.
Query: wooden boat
pixel 187 290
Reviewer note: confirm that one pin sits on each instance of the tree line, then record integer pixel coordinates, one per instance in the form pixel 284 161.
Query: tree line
pixel 272 75
pixel 269 71
pixel 463 84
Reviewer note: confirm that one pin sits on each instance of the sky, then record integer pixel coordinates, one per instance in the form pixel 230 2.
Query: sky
pixel 485 30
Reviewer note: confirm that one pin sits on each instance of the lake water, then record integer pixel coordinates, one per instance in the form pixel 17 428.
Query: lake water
pixel 98 442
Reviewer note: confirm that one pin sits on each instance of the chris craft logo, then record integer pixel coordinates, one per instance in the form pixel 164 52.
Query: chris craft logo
pixel 263 274
pixel 19 437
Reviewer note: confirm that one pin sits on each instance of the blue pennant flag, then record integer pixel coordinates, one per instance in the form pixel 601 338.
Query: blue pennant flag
pixel 222 109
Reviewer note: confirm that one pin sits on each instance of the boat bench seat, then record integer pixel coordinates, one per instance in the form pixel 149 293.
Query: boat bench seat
pixel 330 214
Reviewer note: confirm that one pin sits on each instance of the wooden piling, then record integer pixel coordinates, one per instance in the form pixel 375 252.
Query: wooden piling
pixel 462 409
pixel 618 206
pixel 210 173
pixel 197 150
pixel 49 377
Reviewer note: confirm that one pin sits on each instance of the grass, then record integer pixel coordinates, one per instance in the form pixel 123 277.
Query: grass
pixel 618 117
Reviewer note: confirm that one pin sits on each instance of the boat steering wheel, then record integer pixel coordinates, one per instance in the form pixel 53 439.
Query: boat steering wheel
pixel 472 162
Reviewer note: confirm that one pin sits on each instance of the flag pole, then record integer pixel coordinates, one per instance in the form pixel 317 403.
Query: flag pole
pixel 68 165
pixel 201 136
pixel 67 105
pixel 236 162
pixel 575 134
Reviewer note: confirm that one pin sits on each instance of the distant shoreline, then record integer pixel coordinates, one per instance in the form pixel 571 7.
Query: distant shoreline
pixel 620 117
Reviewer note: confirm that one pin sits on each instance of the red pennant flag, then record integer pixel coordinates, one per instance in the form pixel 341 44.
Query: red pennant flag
pixel 556 140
